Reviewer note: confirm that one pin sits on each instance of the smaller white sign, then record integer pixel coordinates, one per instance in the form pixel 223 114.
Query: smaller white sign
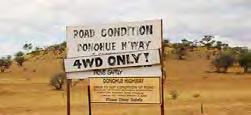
pixel 118 72
pixel 140 58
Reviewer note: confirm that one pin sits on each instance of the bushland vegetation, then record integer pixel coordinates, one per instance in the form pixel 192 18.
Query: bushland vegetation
pixel 221 55
pixel 5 63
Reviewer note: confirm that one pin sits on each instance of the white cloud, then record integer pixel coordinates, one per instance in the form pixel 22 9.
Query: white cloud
pixel 43 21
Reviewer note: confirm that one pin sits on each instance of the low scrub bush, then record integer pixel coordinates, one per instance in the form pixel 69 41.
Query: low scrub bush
pixel 223 62
pixel 174 94
pixel 5 63
pixel 245 61
pixel 58 80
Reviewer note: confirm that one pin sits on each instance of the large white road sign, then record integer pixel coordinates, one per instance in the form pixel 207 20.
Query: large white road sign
pixel 113 38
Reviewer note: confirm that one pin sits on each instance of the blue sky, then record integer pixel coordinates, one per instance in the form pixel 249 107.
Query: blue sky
pixel 42 22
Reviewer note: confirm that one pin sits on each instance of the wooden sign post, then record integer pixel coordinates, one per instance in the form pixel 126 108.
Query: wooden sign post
pixel 123 62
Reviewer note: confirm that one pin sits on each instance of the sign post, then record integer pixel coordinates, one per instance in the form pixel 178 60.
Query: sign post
pixel 89 100
pixel 163 73
pixel 68 91
pixel 123 62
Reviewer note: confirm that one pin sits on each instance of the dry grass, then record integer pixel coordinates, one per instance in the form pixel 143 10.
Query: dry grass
pixel 221 94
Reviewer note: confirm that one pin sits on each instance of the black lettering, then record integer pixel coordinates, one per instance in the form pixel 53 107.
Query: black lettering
pixel 116 32
pixel 81 33
pixel 149 29
pixel 147 44
pixel 85 48
pixel 110 32
pixel 75 33
pixel 87 34
pixel 136 57
pixel 121 59
pixel 141 45
pixel 111 60
pixel 108 47
pixel 77 63
pixel 134 45
pixel 123 31
pixel 88 62
pixel 84 33
pixel 98 62
pixel 92 33
pixel 123 45
pixel 128 59
pixel 80 46
pixel 146 56
pixel 113 45
pixel 96 47
pixel 103 34
pixel 127 31
pixel 133 29
pixel 142 30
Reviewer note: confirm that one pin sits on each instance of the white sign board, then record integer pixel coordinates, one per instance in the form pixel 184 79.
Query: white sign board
pixel 150 71
pixel 140 58
pixel 113 38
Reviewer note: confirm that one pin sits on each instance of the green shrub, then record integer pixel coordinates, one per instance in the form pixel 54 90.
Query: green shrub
pixel 245 61
pixel 223 62
pixel 19 58
pixel 5 63
pixel 58 80
pixel 180 51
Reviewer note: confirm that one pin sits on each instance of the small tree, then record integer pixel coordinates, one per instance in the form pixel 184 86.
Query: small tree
pixel 225 46
pixel 245 61
pixel 223 62
pixel 5 63
pixel 219 45
pixel 180 50
pixel 187 44
pixel 166 41
pixel 19 58
pixel 194 44
pixel 207 41
pixel 27 47
pixel 36 51
pixel 58 80
pixel 9 57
